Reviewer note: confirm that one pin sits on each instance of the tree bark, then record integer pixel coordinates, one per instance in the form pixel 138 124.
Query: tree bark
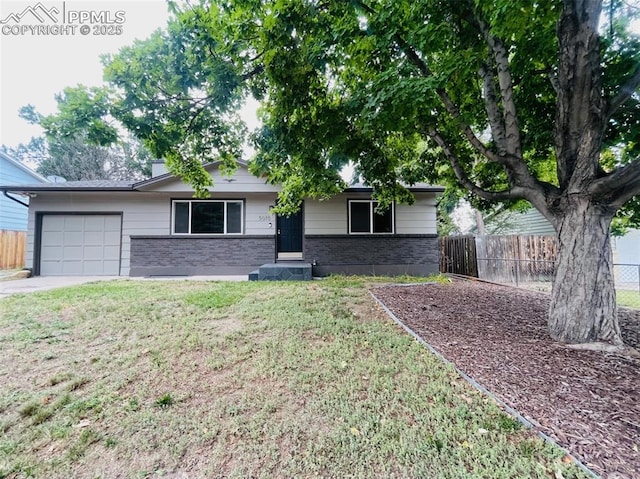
pixel 583 300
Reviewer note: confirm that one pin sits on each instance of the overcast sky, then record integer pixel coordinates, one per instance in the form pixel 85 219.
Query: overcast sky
pixel 34 67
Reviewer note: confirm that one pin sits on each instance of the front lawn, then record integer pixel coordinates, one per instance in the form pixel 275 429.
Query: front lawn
pixel 204 379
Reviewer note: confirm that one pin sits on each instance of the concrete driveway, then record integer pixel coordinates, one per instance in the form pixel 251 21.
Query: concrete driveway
pixel 44 283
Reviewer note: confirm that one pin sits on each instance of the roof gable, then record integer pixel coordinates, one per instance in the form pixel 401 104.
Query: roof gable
pixel 240 182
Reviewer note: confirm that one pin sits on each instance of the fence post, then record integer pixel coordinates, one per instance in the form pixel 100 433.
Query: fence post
pixel 517 273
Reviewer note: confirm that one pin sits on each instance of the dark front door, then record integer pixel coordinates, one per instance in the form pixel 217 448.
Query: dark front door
pixel 289 232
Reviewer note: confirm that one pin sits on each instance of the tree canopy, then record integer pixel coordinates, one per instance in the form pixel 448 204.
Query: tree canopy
pixel 511 100
pixel 81 141
pixel 397 89
pixel 401 90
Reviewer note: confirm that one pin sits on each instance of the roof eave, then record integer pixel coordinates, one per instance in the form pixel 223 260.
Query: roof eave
pixel 418 189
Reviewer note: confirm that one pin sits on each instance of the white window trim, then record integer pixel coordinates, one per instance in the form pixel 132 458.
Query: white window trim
pixel 371 213
pixel 190 202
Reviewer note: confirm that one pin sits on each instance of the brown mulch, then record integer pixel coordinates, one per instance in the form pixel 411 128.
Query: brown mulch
pixel 588 402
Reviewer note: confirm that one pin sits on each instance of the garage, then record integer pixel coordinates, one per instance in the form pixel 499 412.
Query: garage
pixel 80 244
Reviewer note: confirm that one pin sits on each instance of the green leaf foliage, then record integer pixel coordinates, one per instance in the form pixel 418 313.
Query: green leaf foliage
pixel 393 88
pixel 81 111
pixel 179 91
pixel 82 140
pixel 356 83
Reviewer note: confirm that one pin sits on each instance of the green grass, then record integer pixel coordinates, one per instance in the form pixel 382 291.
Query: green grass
pixel 630 299
pixel 143 379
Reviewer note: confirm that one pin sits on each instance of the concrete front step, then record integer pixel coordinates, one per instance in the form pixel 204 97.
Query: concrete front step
pixel 254 275
pixel 282 272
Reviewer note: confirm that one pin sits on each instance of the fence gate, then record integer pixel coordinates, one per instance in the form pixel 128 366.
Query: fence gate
pixel 458 255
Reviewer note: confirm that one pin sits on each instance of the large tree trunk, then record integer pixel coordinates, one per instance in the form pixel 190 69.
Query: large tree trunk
pixel 583 300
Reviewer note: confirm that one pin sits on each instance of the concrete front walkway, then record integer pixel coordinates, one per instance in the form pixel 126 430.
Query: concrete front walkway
pixel 44 283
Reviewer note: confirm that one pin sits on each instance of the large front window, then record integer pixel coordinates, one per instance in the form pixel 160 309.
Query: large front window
pixel 213 217
pixel 363 218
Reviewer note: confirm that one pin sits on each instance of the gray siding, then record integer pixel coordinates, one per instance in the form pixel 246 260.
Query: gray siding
pixel 148 248
pixel 188 255
pixel 331 216
pixel 373 254
pixel 143 214
pixel 241 182
pixel 418 218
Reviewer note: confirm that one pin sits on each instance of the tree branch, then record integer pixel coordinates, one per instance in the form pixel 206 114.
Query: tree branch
pixel 512 161
pixel 493 111
pixel 619 186
pixel 194 117
pixel 522 182
pixel 257 70
pixel 464 179
pixel 580 109
pixel 501 57
pixel 624 93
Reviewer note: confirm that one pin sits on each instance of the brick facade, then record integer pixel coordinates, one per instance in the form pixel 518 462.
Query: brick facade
pixel 203 255
pixel 373 254
pixel 343 254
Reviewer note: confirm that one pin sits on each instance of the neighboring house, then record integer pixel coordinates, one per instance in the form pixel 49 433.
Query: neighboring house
pixel 156 227
pixel 13 214
pixel 626 248
pixel 531 222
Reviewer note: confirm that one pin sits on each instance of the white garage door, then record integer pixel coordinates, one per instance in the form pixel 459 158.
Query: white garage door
pixel 80 245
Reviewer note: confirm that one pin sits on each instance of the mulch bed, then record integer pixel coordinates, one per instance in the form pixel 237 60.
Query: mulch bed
pixel 589 402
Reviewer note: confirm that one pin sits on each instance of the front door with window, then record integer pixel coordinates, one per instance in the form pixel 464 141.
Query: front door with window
pixel 289 235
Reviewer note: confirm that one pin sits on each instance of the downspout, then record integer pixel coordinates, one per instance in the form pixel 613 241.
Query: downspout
pixel 14 199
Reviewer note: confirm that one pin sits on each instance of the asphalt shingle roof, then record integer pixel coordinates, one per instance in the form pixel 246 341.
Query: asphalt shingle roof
pixel 107 185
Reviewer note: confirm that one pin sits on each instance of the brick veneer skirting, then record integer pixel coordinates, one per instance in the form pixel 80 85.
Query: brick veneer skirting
pixel 373 254
pixel 203 255
pixel 343 254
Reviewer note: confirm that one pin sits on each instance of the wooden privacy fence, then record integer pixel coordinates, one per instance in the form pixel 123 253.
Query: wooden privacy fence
pixel 483 256
pixel 12 249
pixel 517 258
pixel 518 247
pixel 458 255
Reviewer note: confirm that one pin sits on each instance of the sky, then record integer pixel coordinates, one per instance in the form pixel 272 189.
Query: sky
pixel 34 67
